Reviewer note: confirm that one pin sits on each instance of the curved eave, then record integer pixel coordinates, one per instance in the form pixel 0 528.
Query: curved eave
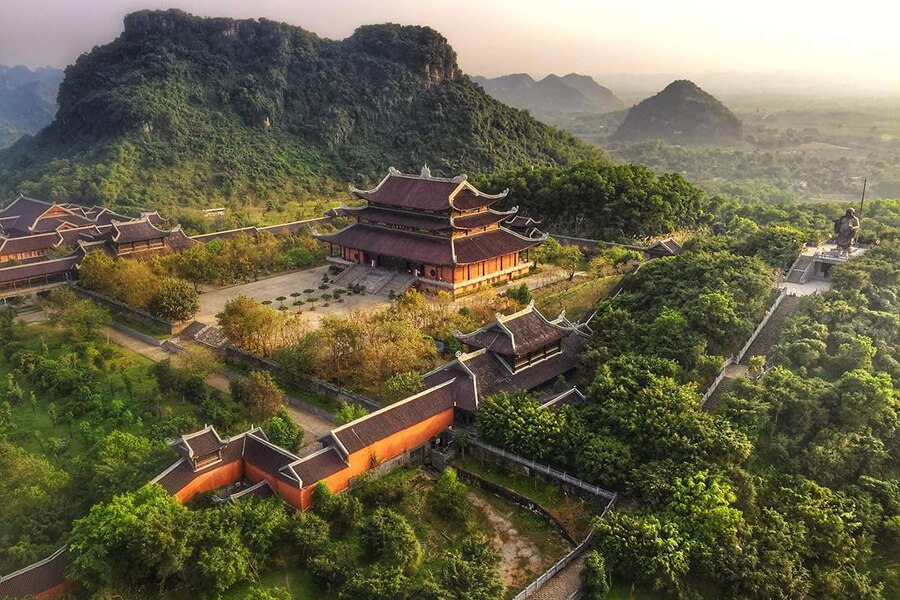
pixel 501 216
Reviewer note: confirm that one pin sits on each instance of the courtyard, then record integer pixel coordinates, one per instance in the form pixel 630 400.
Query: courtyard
pixel 213 299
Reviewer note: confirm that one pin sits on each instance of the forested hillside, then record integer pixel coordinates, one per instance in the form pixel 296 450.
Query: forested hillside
pixel 681 113
pixel 190 111
pixel 595 199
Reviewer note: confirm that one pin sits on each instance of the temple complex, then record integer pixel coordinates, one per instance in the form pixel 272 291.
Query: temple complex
pixel 41 243
pixel 516 352
pixel 443 231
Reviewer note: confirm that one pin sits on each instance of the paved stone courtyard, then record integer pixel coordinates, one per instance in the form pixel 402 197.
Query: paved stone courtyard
pixel 213 300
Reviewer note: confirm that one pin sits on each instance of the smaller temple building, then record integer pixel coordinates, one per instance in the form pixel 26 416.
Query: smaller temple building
pixel 41 244
pixel 443 231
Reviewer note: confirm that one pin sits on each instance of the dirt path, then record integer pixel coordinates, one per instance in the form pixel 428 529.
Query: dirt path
pixel 312 424
pixel 516 554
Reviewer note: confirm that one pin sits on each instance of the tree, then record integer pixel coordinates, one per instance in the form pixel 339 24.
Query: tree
pixel 388 537
pixel 143 535
pixel 594 581
pixel 121 462
pixel 257 328
pixel 471 573
pixel 449 496
pixel 402 385
pixel 518 423
pixel 342 511
pixel 83 318
pixel 174 300
pixel 349 411
pixel 283 431
pixel 569 258
pixel 308 534
pixel 377 583
pixel 519 293
pixel 259 392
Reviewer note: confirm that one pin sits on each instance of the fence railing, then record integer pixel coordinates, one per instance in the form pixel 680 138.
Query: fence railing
pixel 564 562
pixel 550 472
pixel 737 358
pixel 762 324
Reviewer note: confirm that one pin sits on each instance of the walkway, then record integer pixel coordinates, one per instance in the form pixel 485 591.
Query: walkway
pixel 213 301
pixel 564 584
pixel 309 422
pixel 769 335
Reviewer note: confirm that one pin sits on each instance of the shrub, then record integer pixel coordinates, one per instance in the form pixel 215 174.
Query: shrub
pixel 349 411
pixel 449 497
pixel 174 300
pixel 388 537
pixel 308 534
pixel 594 583
pixel 331 568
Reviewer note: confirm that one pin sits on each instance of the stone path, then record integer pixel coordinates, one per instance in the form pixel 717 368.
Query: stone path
pixel 566 583
pixel 768 337
pixel 311 423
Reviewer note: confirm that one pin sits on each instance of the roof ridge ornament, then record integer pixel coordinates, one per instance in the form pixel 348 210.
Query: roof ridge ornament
pixel 426 172
pixel 460 178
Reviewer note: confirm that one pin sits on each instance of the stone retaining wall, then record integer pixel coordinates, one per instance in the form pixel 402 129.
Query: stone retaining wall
pixel 122 308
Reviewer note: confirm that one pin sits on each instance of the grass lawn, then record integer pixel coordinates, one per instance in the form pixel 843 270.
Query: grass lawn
pixel 574 297
pixel 572 511
pixel 624 591
pixel 139 326
pixel 32 425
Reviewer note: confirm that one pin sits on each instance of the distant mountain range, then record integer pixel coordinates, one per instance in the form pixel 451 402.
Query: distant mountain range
pixel 27 100
pixel 571 93
pixel 682 113
pixel 184 110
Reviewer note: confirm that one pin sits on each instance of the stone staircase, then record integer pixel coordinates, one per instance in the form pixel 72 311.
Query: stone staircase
pixel 770 333
pixel 376 279
pixel 351 275
pixel 398 283
pixel 800 270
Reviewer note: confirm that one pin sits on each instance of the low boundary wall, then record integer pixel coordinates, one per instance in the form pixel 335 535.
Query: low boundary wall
pixel 529 467
pixel 120 307
pixel 515 498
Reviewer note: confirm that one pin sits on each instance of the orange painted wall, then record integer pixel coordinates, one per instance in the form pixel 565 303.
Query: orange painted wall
pixel 211 480
pixel 57 591
pixel 285 491
pixel 384 450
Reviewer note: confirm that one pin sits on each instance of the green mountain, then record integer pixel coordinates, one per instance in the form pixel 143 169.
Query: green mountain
pixel 182 110
pixel 27 100
pixel 682 114
pixel 571 93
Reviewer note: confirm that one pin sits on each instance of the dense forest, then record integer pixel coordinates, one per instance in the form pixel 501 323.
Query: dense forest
pixel 182 110
pixel 786 489
pixel 597 199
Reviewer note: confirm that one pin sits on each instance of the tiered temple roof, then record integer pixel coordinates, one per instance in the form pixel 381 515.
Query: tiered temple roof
pixel 490 366
pixel 412 216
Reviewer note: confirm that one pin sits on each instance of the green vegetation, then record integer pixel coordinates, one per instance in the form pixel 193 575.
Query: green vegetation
pixel 681 113
pixel 601 200
pixel 137 284
pixel 395 544
pixel 86 421
pixel 789 489
pixel 178 110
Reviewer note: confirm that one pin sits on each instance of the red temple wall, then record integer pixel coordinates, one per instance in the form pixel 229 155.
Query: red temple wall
pixel 384 450
pixel 211 480
pixel 57 591
pixel 284 490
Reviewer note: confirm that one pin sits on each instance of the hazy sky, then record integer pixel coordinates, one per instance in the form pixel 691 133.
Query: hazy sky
pixel 843 42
